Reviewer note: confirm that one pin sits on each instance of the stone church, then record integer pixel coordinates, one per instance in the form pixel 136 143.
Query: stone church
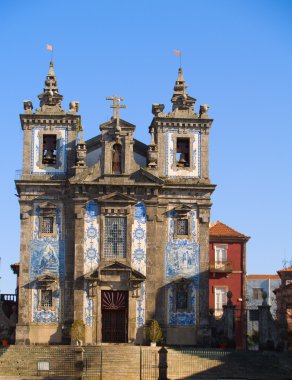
pixel 114 232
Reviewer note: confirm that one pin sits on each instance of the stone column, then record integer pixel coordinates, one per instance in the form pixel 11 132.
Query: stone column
pixel 24 296
pixel 79 259
pixel 204 332
pixel 229 321
pixel 267 328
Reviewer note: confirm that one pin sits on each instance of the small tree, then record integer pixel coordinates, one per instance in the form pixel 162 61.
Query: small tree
pixel 77 331
pixel 155 332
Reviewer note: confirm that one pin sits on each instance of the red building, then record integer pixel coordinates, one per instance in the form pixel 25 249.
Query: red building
pixel 228 272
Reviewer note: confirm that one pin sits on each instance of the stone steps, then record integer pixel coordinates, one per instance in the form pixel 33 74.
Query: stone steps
pixel 123 362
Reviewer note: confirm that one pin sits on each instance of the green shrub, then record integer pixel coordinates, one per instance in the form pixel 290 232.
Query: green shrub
pixel 155 332
pixel 77 331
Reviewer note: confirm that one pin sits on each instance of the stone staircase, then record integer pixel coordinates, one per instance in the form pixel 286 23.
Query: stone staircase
pixel 22 360
pixel 117 362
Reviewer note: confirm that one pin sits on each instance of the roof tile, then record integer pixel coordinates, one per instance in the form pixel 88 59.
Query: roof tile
pixel 220 229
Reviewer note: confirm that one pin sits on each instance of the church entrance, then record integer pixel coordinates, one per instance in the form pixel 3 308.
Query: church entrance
pixel 114 306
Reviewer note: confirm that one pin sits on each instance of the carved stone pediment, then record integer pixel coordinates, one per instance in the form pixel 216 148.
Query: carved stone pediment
pixel 47 205
pixel 108 269
pixel 125 125
pixel 182 209
pixel 116 197
pixel 143 176
pixel 45 281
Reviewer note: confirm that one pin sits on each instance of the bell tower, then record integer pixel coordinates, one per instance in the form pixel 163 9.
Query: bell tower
pixel 50 133
pixel 179 145
pixel 179 153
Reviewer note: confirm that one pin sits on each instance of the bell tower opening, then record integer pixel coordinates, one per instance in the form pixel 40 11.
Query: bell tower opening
pixel 183 152
pixel 49 149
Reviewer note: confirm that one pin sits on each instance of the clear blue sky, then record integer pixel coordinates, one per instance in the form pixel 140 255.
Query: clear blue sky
pixel 237 57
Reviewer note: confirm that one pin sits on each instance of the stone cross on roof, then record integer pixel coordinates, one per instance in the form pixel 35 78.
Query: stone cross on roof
pixel 116 108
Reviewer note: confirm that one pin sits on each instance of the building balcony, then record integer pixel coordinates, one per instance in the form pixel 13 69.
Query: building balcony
pixel 221 266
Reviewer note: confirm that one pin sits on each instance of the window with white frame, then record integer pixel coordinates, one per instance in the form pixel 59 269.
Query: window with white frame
pixel 220 255
pixel 220 300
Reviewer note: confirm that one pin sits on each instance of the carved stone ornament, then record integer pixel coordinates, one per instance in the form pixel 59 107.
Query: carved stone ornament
pixel 157 110
pixel 73 107
pixel 27 106
pixel 204 111
pixel 152 156
pixel 81 154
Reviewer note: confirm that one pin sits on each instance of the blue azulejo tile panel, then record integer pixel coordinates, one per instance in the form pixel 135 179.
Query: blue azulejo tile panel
pixel 88 307
pixel 46 316
pixel 138 258
pixel 183 318
pixel 37 167
pixel 47 257
pixel 91 237
pixel 182 260
pixel 141 307
pixel 195 166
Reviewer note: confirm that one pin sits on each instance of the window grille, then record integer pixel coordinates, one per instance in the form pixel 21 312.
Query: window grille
pixel 47 224
pixel 46 298
pixel 115 237
pixel 182 227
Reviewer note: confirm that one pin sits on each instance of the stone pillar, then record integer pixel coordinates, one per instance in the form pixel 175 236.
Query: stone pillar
pixel 79 261
pixel 204 332
pixel 162 363
pixel 24 296
pixel 229 321
pixel 267 328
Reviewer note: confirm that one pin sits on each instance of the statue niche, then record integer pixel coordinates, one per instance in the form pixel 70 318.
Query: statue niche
pixel 117 159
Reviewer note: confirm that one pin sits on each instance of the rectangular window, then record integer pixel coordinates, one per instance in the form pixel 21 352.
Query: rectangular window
pixel 115 237
pixel 182 152
pixel 254 315
pixel 49 149
pixel 46 298
pixel 257 294
pixel 182 227
pixel 47 224
pixel 220 256
pixel 220 300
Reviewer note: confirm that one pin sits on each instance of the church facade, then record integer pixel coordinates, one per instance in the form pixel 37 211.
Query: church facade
pixel 114 232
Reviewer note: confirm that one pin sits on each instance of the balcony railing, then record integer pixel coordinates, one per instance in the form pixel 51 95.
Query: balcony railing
pixel 221 266
pixel 8 297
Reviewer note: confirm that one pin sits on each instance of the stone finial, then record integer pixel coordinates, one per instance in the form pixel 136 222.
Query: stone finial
pixel 229 296
pixel 50 99
pixel 157 109
pixel 73 107
pixel 81 152
pixel 204 111
pixel 27 106
pixel 182 103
